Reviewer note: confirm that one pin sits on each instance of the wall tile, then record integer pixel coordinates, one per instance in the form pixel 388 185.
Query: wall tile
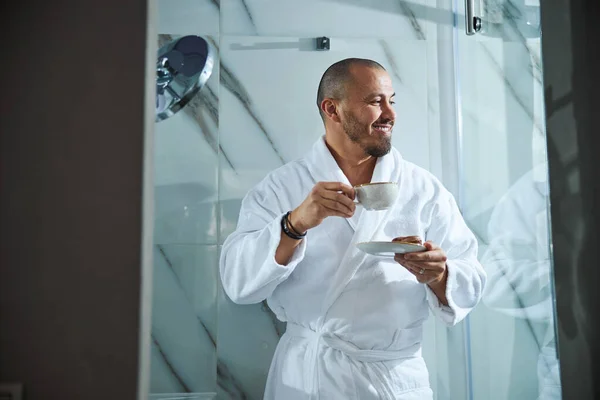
pixel 342 18
pixel 187 17
pixel 184 319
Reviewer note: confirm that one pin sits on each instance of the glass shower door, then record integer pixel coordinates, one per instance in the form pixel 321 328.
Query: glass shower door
pixel 504 198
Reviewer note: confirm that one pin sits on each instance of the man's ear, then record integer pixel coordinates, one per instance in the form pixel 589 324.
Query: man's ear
pixel 330 109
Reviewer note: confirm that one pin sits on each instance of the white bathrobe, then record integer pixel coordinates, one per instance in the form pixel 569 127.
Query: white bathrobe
pixel 354 320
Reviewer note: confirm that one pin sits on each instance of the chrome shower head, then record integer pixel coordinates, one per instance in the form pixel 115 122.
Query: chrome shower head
pixel 182 69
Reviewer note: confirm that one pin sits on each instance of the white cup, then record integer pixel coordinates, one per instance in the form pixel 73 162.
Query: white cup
pixel 376 195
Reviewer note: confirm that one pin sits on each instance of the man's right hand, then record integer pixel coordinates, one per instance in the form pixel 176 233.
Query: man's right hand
pixel 324 200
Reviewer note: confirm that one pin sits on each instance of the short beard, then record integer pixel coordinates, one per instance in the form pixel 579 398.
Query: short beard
pixel 355 130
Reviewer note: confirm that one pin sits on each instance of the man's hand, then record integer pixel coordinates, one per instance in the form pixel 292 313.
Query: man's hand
pixel 429 267
pixel 324 200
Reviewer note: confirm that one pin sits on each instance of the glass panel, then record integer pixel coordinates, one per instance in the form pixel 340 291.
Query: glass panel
pixel 270 71
pixel 476 96
pixel 504 198
pixel 268 117
pixel 185 289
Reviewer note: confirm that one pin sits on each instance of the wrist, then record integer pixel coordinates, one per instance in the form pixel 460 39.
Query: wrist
pixel 297 223
pixel 288 230
pixel 439 285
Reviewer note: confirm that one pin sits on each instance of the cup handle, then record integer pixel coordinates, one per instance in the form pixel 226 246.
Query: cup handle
pixel 355 198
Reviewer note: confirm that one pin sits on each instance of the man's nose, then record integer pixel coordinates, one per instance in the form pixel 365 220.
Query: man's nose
pixel 389 112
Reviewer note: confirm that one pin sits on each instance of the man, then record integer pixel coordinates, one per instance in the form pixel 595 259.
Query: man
pixel 354 320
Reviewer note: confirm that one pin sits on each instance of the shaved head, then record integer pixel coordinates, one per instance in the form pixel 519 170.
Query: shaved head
pixel 337 76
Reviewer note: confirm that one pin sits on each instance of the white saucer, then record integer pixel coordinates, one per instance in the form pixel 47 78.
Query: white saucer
pixel 389 248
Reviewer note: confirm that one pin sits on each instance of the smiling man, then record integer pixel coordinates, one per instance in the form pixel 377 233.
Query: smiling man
pixel 354 320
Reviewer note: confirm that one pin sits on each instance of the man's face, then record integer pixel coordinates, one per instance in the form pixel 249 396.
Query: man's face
pixel 367 114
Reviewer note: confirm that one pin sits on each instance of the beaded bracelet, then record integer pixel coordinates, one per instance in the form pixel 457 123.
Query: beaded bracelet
pixel 285 229
pixel 289 222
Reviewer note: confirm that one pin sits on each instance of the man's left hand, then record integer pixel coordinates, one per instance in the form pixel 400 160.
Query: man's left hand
pixel 429 266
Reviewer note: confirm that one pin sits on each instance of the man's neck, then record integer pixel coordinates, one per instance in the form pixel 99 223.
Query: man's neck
pixel 354 163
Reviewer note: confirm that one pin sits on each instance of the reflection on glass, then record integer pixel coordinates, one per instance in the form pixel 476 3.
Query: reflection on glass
pixel 519 269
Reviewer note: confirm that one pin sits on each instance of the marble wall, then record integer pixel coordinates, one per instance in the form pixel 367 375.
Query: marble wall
pixel 258 112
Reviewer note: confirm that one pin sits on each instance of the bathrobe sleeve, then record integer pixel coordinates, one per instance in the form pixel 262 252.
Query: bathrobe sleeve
pixel 248 269
pixel 466 277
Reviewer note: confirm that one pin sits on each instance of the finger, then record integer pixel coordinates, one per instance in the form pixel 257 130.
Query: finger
pixel 335 196
pixel 435 268
pixel 429 245
pixel 432 255
pixel 400 260
pixel 399 257
pixel 424 277
pixel 406 239
pixel 412 269
pixel 339 187
pixel 433 265
pixel 336 205
pixel 417 268
pixel 348 191
pixel 334 212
